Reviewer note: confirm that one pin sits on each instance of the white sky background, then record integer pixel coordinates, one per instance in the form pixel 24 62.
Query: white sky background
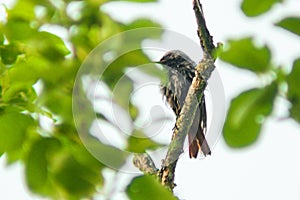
pixel 267 170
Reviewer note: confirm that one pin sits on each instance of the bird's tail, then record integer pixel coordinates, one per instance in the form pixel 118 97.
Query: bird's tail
pixel 196 136
pixel 198 143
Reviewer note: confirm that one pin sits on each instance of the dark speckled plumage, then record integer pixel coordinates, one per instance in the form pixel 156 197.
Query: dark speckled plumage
pixel 181 70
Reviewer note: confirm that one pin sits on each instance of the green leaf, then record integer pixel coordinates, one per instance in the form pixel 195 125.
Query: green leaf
pixel 2 38
pixel 18 80
pixel 84 157
pixel 291 24
pixel 76 179
pixel 22 73
pixel 22 10
pixel 294 81
pixel 142 29
pixel 38 165
pixel 252 8
pixel 115 70
pixel 9 54
pixel 244 54
pixel 246 114
pixel 58 101
pixel 17 29
pixel 62 171
pixel 13 129
pixel 145 23
pixel 50 46
pixel 109 155
pixel 15 140
pixel 293 94
pixel 138 142
pixel 148 188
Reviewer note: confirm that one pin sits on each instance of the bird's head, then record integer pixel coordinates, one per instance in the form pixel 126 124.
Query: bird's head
pixel 176 59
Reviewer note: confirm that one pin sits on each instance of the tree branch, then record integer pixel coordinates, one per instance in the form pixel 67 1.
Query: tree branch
pixel 184 121
pixel 145 164
pixel 206 40
pixel 194 95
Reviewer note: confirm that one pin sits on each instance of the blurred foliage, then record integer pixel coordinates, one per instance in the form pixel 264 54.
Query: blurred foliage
pixel 244 54
pixel 142 188
pixel 291 24
pixel 249 110
pixel 246 115
pixel 138 142
pixel 293 94
pixel 38 70
pixel 253 8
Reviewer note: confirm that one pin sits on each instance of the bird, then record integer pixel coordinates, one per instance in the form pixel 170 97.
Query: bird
pixel 181 71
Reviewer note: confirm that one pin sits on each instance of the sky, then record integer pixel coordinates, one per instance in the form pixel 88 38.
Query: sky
pixel 267 170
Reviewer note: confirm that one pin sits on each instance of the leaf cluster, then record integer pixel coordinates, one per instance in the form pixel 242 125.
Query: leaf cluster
pixel 42 45
pixel 249 110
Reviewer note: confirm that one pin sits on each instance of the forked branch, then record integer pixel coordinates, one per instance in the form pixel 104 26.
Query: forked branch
pixel 184 121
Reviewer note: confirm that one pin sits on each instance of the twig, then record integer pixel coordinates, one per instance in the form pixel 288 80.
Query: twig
pixel 145 164
pixel 206 40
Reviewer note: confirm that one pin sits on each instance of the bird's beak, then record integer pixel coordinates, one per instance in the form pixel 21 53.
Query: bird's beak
pixel 157 62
